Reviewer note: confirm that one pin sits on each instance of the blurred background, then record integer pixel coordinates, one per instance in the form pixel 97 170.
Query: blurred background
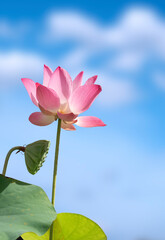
pixel 114 175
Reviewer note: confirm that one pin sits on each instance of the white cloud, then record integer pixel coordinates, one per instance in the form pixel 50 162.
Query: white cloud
pixel 140 27
pixel 117 92
pixel 15 65
pixel 139 30
pixel 76 58
pixel 128 61
pixel 74 26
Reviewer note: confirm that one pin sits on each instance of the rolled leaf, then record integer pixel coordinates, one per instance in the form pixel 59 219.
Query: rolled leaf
pixel 35 154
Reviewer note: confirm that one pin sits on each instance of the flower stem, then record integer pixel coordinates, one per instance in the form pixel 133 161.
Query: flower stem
pixel 55 170
pixel 19 148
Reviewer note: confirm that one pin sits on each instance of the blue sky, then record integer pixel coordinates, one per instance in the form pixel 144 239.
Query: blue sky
pixel 114 175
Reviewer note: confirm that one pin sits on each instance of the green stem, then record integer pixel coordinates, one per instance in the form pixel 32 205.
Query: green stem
pixel 19 148
pixel 55 170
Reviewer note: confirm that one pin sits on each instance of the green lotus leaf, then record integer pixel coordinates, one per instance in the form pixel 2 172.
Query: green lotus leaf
pixel 35 154
pixel 70 226
pixel 23 208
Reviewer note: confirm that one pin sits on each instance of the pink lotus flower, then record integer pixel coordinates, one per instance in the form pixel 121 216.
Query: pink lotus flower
pixel 60 97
